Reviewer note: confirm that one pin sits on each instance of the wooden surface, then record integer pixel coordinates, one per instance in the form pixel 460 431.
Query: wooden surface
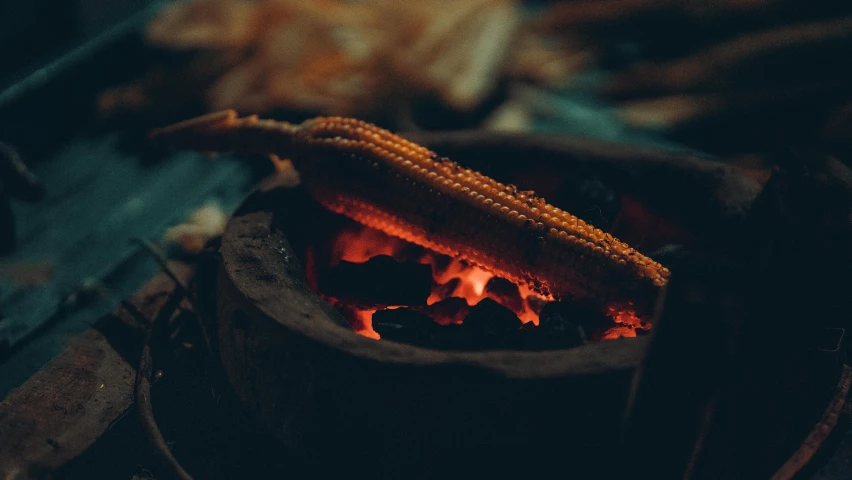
pixel 65 407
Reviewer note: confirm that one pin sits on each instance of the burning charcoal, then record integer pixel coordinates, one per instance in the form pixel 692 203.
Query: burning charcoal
pixel 379 281
pixel 409 252
pixel 582 313
pixel 442 263
pixel 538 340
pixel 505 293
pixel 448 311
pixel 558 328
pixel 492 324
pixel 531 339
pixel 536 303
pixel 528 327
pixel 453 337
pixel 446 290
pixel 555 330
pixel 405 326
pixel 351 313
pixel 528 337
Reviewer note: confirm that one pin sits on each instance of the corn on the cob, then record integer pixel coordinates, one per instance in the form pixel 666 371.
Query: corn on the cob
pixel 387 182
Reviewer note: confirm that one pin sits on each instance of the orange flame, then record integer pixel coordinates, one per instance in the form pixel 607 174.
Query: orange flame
pixel 627 321
pixel 364 323
pixel 472 283
pixel 360 244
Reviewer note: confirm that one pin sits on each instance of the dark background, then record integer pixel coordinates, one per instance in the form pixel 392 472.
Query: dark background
pixel 33 32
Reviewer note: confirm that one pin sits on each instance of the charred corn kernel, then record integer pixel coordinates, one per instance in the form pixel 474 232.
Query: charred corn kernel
pixel 368 174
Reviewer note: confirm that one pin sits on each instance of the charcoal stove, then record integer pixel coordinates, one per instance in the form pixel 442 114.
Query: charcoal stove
pixel 357 406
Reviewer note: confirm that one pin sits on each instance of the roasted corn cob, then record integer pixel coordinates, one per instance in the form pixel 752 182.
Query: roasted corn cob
pixel 389 183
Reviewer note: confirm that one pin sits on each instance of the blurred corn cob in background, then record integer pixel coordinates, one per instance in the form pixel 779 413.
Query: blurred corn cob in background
pixel 367 58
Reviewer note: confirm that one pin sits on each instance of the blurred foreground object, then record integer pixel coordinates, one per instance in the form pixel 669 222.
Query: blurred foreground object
pixel 202 225
pixel 369 58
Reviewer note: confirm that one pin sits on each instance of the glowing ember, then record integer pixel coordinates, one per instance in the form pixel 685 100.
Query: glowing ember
pixel 451 278
pixel 618 332
pixel 363 324
pixel 362 244
pixel 472 282
pixel 627 322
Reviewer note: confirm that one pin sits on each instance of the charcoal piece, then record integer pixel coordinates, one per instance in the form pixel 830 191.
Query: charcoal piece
pixel 441 263
pixel 409 252
pixel 350 313
pixel 527 338
pixel 557 329
pixel 583 313
pixel 533 339
pixel 405 325
pixel 505 293
pixel 454 337
pixel 446 290
pixel 448 311
pixel 536 303
pixel 379 281
pixel 492 325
